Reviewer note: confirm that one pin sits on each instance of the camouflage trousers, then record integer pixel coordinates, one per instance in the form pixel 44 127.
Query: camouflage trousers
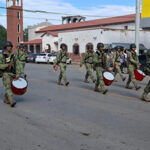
pixel 62 74
pixel 7 79
pixel 131 77
pixel 99 75
pixel 20 67
pixel 89 70
pixel 118 70
pixel 147 89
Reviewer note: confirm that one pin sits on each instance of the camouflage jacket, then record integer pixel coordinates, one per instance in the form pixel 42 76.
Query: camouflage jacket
pixel 87 58
pixel 133 58
pixel 21 55
pixel 100 60
pixel 4 61
pixel 61 57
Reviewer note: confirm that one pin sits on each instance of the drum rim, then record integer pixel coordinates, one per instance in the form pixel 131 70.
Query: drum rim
pixel 20 88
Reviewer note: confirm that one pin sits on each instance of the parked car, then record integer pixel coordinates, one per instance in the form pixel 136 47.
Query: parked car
pixel 42 58
pixel 53 57
pixel 31 57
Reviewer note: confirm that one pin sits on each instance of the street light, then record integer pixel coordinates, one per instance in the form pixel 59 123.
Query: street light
pixel 137 25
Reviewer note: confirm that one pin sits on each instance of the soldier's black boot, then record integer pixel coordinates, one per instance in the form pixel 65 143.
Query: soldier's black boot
pixel 128 86
pixel 12 102
pixel 94 80
pixel 145 98
pixel 104 91
pixel 136 86
pixel 123 78
pixel 67 83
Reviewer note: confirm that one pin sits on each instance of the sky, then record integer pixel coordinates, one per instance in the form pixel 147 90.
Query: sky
pixel 100 8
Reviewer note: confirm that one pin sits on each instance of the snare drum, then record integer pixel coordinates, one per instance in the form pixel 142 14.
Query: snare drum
pixel 108 78
pixel 19 87
pixel 139 75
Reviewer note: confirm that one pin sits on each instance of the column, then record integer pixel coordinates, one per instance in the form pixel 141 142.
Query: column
pixel 34 48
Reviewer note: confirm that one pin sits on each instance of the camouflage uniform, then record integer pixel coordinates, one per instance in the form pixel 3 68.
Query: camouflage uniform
pixel 61 60
pixel 100 64
pixel 21 58
pixel 147 71
pixel 117 64
pixel 8 73
pixel 132 64
pixel 87 60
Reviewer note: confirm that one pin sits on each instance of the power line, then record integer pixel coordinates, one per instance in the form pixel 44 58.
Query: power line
pixel 54 13
pixel 33 18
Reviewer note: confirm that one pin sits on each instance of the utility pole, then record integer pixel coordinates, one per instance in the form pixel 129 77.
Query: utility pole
pixel 137 26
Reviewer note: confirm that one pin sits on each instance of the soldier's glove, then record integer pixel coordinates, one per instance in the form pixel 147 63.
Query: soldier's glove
pixel 11 64
pixel 109 69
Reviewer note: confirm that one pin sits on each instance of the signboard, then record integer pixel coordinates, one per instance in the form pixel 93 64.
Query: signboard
pixel 146 9
pixel 145 16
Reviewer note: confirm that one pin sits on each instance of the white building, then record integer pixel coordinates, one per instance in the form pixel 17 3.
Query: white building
pixel 32 35
pixel 77 35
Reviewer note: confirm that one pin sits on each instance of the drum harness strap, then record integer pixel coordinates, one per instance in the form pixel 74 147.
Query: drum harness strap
pixel 12 69
pixel 101 64
pixel 85 60
pixel 62 56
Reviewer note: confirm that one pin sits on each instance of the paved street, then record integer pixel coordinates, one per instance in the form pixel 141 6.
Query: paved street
pixel 52 117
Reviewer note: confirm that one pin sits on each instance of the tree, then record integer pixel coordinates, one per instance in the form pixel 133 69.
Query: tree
pixel 3 36
pixel 25 35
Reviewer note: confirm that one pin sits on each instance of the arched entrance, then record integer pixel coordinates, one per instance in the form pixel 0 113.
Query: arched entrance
pixel 75 53
pixel 48 48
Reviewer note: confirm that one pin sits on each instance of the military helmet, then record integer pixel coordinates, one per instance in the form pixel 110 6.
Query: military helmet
pixel 118 47
pixel 132 46
pixel 21 46
pixel 6 44
pixel 100 45
pixel 90 46
pixel 63 45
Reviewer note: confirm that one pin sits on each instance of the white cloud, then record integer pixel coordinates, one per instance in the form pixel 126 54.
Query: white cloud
pixel 62 7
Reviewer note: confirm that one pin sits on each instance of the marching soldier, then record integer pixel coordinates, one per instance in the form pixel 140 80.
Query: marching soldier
pixel 87 60
pixel 21 57
pixel 147 72
pixel 8 68
pixel 133 63
pixel 61 60
pixel 100 64
pixel 116 62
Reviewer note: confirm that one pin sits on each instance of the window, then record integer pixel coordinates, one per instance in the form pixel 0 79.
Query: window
pixel 18 3
pixel 18 14
pixel 126 27
pixel 76 50
pixel 18 39
pixel 9 3
pixel 18 28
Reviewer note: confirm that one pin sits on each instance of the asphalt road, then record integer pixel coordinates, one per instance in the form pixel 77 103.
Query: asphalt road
pixel 52 117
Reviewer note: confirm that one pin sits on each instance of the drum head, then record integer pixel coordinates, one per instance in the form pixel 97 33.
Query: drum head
pixel 20 83
pixel 109 76
pixel 141 72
